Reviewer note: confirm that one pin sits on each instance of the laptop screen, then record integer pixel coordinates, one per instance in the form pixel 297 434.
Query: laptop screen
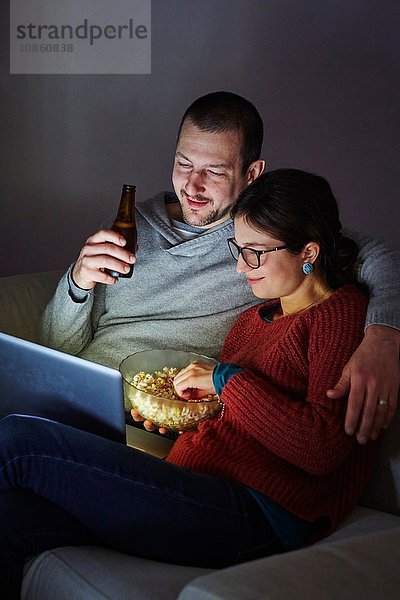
pixel 36 380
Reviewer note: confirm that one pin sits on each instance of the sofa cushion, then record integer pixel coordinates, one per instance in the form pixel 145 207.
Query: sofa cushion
pixel 365 568
pixel 97 573
pixel 80 573
pixel 22 300
pixel 362 521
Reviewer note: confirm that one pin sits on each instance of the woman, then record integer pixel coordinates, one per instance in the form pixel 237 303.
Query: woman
pixel 272 472
pixel 280 359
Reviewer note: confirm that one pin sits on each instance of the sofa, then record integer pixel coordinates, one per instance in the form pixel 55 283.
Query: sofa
pixel 361 560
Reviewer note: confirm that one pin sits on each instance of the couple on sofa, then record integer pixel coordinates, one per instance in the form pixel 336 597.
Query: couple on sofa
pixel 276 469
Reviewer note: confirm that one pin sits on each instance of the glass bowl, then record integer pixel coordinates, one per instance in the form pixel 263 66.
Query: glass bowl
pixel 175 415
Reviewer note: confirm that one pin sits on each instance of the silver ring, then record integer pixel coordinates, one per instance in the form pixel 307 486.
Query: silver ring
pixel 382 402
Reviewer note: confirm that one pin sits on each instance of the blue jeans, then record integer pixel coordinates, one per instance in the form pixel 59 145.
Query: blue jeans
pixel 60 486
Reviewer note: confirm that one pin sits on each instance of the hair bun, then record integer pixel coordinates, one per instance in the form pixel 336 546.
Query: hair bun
pixel 343 264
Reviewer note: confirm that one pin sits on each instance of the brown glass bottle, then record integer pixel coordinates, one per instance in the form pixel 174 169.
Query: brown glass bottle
pixel 125 223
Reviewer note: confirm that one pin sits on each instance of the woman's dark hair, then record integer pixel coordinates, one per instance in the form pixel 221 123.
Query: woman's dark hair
pixel 297 207
pixel 220 112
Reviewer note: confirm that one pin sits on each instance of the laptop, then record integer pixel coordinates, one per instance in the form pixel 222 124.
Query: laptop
pixel 39 381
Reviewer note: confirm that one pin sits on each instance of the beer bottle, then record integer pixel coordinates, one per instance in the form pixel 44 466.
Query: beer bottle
pixel 125 223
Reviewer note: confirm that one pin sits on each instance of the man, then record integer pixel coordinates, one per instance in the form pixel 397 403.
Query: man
pixel 185 293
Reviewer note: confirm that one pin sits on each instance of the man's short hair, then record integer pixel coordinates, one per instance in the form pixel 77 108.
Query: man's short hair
pixel 220 112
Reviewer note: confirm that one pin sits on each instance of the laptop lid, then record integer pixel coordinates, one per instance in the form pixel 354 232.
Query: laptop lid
pixel 36 380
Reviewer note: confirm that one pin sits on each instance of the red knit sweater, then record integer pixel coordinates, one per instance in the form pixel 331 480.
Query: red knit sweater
pixel 280 433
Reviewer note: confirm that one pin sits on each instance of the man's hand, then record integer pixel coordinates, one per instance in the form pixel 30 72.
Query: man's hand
pixel 103 250
pixel 371 378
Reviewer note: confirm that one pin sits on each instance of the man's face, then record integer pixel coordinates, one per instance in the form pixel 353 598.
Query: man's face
pixel 207 174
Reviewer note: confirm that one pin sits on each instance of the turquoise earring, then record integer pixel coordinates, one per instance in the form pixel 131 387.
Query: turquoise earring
pixel 307 268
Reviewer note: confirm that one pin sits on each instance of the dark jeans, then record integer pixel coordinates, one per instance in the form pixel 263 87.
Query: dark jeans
pixel 60 486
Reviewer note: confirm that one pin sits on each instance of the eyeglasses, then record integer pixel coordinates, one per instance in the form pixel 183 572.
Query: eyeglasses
pixel 250 256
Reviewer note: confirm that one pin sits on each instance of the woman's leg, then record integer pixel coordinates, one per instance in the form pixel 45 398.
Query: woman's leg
pixel 30 524
pixel 129 499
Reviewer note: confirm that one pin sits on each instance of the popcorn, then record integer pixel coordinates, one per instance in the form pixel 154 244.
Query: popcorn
pixel 161 384
pixel 152 394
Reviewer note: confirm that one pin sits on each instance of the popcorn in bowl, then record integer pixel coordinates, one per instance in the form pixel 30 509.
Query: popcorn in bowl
pixel 148 388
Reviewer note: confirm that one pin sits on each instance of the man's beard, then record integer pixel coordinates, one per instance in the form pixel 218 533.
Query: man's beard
pixel 212 217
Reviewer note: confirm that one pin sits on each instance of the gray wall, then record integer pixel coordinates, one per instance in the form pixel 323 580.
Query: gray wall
pixel 323 74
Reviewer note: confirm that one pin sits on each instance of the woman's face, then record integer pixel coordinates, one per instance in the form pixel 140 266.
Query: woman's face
pixel 279 274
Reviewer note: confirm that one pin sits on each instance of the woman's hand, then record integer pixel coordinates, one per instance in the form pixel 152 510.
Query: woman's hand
pixel 148 425
pixel 195 380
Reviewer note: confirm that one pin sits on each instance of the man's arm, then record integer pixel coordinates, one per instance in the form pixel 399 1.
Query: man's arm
pixel 66 323
pixel 371 377
pixel 69 320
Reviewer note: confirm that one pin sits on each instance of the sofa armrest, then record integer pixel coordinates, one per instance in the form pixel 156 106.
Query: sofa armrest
pixel 22 301
pixel 362 568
